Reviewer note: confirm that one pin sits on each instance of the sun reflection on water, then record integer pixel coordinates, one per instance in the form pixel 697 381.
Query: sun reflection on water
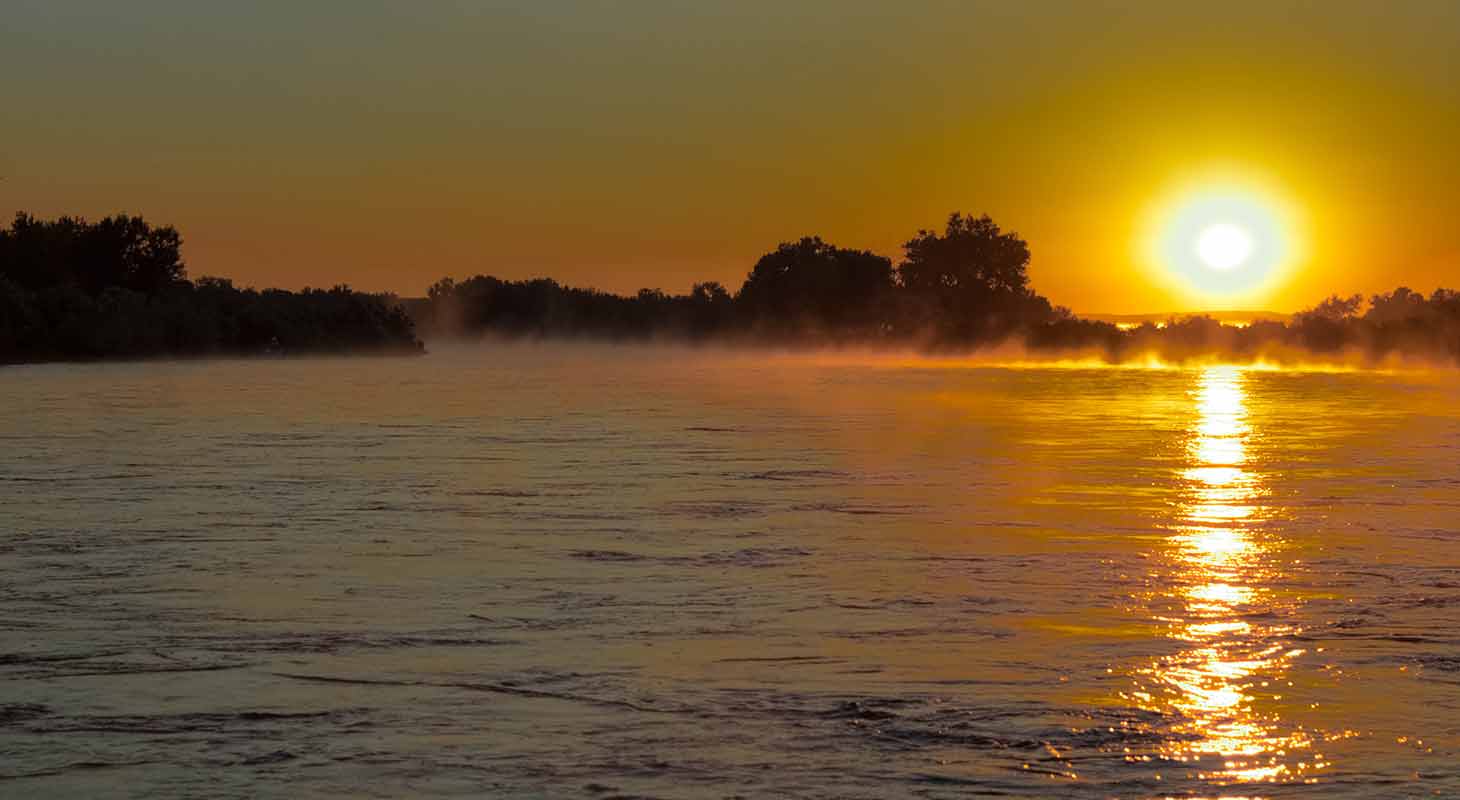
pixel 1222 686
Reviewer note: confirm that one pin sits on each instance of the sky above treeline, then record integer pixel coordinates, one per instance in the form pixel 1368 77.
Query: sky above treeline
pixel 655 144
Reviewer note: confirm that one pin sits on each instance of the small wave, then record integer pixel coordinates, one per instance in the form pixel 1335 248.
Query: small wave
pixel 1443 663
pixel 336 642
pixel 859 510
pixel 22 712
pixel 716 510
pixel 779 660
pixel 187 723
pixel 275 757
pixel 73 767
pixel 939 631
pixel 746 557
pixel 608 555
pixel 537 624
pixel 8 659
pixel 496 688
pixel 753 557
pixel 795 475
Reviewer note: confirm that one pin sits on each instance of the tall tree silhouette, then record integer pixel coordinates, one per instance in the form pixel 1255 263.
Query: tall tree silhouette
pixel 971 255
pixel 972 280
pixel 810 284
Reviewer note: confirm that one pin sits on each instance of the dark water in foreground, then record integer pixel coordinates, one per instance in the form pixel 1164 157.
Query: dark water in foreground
pixel 560 572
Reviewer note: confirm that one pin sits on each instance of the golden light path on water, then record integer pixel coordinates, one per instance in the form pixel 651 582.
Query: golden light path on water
pixel 1233 661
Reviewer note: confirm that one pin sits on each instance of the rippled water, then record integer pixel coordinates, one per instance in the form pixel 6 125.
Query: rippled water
pixel 602 572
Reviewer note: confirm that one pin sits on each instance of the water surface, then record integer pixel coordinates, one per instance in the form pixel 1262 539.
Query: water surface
pixel 593 571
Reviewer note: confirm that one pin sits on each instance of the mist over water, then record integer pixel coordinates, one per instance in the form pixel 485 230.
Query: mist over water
pixel 587 570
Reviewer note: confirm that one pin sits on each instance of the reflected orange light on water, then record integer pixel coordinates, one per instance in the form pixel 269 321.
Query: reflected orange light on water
pixel 1219 577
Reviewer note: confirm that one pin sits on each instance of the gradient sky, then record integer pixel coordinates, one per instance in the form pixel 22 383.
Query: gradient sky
pixel 620 145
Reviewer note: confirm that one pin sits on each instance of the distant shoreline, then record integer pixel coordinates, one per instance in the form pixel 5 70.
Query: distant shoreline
pixel 117 289
pixel 218 356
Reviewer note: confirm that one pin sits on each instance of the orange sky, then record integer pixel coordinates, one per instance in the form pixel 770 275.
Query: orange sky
pixel 389 144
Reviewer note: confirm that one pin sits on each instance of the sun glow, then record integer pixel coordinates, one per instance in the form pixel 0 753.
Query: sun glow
pixel 1222 242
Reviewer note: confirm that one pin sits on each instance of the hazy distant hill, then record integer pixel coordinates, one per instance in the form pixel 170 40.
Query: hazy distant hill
pixel 1230 317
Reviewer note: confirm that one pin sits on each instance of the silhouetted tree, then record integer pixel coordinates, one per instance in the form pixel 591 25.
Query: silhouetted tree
pixel 812 285
pixel 1328 326
pixel 119 251
pixel 972 253
pixel 1335 308
pixel 118 287
pixel 971 281
pixel 712 309
pixel 1400 305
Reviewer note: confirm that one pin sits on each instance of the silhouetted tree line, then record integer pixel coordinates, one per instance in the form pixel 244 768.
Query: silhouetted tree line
pixel 72 289
pixel 966 285
pixel 118 288
pixel 1402 323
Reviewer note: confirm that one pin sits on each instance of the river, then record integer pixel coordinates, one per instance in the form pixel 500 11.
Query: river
pixel 596 571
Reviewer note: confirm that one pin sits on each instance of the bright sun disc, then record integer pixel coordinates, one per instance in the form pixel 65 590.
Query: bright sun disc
pixel 1222 240
pixel 1223 246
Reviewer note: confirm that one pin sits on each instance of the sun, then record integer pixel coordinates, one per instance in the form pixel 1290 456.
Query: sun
pixel 1224 246
pixel 1222 241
